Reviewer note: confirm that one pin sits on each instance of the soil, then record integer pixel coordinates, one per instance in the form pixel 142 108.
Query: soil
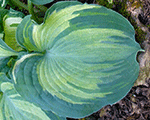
pixel 136 104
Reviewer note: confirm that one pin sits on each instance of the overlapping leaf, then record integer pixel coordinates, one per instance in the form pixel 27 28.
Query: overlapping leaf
pixel 3 78
pixel 9 20
pixel 86 59
pixel 14 107
pixel 10 26
pixel 5 50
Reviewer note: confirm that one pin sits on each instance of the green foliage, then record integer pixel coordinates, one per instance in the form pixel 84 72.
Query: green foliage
pixel 10 22
pixel 3 12
pixel 17 4
pixel 14 107
pixel 3 3
pixel 81 58
pixel 41 2
pixel 140 34
pixel 105 3
pixel 110 1
pixel 13 13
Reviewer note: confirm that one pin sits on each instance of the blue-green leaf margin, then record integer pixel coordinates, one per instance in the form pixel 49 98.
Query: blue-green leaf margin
pixel 41 2
pixel 26 75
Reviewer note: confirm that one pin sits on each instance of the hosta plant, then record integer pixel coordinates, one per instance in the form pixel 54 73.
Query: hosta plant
pixel 81 58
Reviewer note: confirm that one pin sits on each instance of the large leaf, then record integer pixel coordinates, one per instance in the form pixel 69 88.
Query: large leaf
pixel 14 107
pixel 41 2
pixel 87 59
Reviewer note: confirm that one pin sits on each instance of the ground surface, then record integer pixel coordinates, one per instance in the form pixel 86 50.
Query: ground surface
pixel 136 105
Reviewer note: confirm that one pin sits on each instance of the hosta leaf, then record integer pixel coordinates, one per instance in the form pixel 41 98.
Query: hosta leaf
pixel 24 34
pixel 87 59
pixel 14 107
pixel 3 78
pixel 10 26
pixel 13 13
pixel 3 63
pixel 5 50
pixel 10 22
pixel 41 2
pixel 3 12
pixel 3 3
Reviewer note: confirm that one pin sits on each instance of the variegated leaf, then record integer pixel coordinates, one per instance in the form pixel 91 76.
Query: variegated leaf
pixel 86 59
pixel 5 50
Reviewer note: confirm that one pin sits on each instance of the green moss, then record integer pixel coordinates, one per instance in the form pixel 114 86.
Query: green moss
pixel 121 7
pixel 140 35
pixel 105 3
pixel 137 4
